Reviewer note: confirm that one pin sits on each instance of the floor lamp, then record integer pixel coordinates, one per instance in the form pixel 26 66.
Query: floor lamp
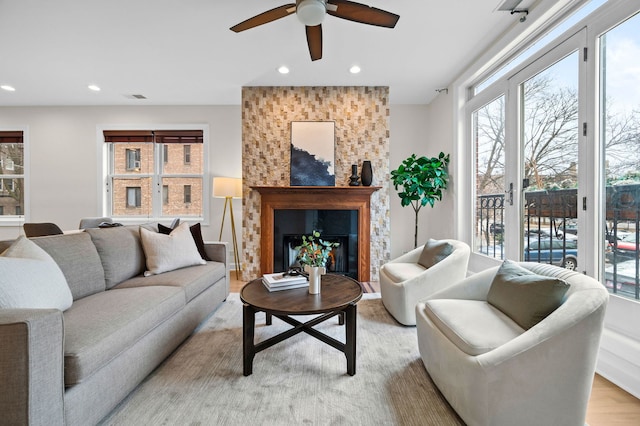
pixel 229 188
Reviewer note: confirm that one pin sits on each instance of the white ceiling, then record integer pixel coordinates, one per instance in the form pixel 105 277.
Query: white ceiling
pixel 181 52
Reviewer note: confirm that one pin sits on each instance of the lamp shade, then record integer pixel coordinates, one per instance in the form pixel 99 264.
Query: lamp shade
pixel 227 187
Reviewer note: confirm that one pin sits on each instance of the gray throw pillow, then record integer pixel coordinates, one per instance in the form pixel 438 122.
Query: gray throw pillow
pixel 433 252
pixel 523 296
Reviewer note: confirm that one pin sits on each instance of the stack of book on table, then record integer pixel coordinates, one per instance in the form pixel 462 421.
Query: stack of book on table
pixel 282 281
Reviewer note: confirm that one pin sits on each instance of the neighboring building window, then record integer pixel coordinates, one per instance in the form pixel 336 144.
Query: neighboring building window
pixel 153 161
pixel 165 194
pixel 187 154
pixel 12 173
pixel 187 194
pixel 134 196
pixel 133 159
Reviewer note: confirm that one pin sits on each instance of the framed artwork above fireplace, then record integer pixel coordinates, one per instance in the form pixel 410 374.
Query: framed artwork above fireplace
pixel 313 153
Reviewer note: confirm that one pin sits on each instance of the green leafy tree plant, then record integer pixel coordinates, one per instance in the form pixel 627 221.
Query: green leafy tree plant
pixel 422 180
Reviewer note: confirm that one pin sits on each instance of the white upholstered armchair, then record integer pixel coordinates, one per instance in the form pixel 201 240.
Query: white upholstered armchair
pixel 404 281
pixel 493 372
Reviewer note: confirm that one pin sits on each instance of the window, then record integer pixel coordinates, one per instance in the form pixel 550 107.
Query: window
pixel 187 194
pixel 11 173
pixel 620 130
pixel 187 154
pixel 488 129
pixel 147 174
pixel 165 194
pixel 571 170
pixel 133 159
pixel 134 196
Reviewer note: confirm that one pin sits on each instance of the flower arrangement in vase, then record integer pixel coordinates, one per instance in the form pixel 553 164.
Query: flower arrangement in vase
pixel 313 254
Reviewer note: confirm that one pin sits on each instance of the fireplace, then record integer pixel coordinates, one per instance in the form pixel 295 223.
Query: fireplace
pixel 340 226
pixel 325 209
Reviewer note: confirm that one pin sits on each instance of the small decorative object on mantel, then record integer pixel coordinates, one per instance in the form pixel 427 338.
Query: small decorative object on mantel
pixel 313 254
pixel 366 174
pixel 354 178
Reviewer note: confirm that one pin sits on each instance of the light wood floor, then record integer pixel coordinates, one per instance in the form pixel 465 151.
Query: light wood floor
pixel 609 405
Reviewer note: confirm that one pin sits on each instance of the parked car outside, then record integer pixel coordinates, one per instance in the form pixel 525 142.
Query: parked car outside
pixel 496 228
pixel 557 252
pixel 569 227
pixel 623 248
pixel 626 276
pixel 533 234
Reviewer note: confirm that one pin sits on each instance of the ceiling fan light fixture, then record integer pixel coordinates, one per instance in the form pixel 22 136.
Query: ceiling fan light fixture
pixel 311 12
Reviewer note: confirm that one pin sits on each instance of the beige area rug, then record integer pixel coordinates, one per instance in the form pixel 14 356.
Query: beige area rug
pixel 298 381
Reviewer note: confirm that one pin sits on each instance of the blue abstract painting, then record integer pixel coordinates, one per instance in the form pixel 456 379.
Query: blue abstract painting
pixel 313 153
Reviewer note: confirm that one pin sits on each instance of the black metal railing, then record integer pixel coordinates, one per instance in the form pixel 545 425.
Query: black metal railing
pixel 551 233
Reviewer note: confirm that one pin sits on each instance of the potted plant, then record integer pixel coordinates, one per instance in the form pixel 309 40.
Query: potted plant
pixel 422 180
pixel 313 255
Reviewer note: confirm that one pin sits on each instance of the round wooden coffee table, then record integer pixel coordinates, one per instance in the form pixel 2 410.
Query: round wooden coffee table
pixel 338 296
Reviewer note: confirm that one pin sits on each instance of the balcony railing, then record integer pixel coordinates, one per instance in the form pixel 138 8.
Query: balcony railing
pixel 551 233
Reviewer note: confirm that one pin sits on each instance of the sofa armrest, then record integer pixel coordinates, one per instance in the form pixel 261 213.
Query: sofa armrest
pixel 411 256
pixel 217 251
pixel 32 366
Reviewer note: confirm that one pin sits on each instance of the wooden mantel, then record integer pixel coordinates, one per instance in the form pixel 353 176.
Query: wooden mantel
pixel 316 198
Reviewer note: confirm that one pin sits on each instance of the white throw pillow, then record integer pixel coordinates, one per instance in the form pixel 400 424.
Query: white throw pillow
pixel 30 278
pixel 165 253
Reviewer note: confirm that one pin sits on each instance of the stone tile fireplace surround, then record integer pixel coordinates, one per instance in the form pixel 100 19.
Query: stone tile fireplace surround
pixel 361 115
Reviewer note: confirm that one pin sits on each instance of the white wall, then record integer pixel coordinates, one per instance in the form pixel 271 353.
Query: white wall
pixel 63 150
pixel 64 154
pixel 421 130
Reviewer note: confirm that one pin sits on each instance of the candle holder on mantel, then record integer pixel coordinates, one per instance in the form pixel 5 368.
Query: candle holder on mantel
pixel 353 179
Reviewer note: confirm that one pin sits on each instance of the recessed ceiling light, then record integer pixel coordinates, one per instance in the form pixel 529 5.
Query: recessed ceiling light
pixel 8 88
pixel 94 87
pixel 354 69
pixel 283 70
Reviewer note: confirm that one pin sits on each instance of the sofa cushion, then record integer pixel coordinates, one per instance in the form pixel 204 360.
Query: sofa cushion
pixel 527 298
pixel 400 271
pixel 169 252
pixel 99 327
pixel 196 233
pixel 433 252
pixel 30 278
pixel 120 252
pixel 474 326
pixel 79 261
pixel 194 280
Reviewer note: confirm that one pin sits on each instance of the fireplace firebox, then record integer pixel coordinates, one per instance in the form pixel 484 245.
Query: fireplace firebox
pixel 340 226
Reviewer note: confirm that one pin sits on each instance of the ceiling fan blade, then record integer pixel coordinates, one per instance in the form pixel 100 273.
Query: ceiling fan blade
pixel 265 17
pixel 362 13
pixel 314 40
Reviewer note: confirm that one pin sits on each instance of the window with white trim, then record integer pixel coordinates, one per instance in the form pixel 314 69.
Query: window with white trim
pixel 12 173
pixel 148 174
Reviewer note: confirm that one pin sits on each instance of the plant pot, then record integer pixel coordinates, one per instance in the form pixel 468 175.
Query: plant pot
pixel 315 275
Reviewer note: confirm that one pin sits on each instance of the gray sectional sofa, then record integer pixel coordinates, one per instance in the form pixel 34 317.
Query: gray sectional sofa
pixel 74 367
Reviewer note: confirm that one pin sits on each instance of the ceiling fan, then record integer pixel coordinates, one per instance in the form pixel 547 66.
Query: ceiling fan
pixel 312 12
